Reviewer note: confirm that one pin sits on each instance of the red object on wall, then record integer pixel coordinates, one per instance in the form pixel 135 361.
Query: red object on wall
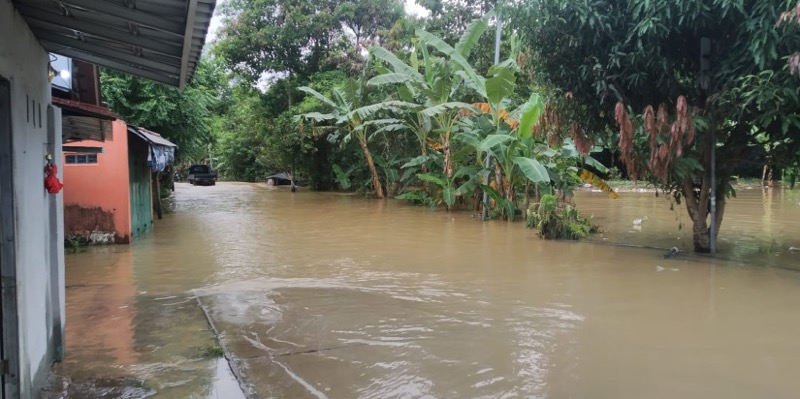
pixel 51 183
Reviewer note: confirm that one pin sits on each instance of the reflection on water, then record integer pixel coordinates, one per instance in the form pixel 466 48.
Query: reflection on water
pixel 758 229
pixel 130 336
pixel 332 296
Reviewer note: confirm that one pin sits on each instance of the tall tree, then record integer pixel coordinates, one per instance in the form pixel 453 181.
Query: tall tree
pixel 666 75
pixel 348 109
pixel 183 116
pixel 367 18
pixel 275 38
pixel 450 18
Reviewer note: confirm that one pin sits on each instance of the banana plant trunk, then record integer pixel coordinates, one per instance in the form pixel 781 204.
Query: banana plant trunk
pixel 376 181
pixel 448 160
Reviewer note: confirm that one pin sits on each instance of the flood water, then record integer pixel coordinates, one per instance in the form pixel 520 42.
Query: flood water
pixel 321 295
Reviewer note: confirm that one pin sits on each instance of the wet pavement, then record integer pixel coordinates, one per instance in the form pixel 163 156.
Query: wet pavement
pixel 324 295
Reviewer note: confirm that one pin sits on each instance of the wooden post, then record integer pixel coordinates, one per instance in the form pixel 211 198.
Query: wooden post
pixel 157 201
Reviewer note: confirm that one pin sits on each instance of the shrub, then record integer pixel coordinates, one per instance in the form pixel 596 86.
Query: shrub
pixel 558 221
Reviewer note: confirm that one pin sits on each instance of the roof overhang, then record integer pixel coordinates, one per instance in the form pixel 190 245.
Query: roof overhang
pixel 160 40
pixel 82 149
pixel 82 121
pixel 150 137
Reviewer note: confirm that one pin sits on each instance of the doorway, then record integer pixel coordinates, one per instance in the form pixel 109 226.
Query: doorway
pixel 9 364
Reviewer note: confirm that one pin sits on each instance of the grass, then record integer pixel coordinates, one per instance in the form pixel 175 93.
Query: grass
pixel 74 242
pixel 211 351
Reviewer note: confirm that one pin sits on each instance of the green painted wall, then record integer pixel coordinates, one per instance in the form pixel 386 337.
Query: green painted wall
pixel 141 199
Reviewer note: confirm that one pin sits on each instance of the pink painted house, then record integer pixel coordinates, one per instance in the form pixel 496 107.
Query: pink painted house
pixel 107 185
pixel 96 188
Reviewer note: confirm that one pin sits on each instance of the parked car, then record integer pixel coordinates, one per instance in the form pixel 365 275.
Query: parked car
pixel 202 175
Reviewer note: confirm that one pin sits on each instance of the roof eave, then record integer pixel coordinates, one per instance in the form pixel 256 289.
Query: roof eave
pixel 187 43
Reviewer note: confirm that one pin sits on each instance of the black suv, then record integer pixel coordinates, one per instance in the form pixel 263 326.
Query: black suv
pixel 202 175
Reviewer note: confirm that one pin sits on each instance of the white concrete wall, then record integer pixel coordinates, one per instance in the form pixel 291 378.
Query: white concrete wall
pixel 24 62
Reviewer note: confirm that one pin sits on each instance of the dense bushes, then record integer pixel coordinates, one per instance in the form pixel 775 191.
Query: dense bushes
pixel 556 220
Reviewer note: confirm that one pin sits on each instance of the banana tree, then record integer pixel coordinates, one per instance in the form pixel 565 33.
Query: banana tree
pixel 517 156
pixel 434 83
pixel 348 110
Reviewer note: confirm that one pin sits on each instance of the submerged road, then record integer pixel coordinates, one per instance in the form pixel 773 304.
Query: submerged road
pixel 320 295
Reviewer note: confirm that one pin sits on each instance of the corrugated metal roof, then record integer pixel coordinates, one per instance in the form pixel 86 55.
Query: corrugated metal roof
pixel 156 39
pixel 150 136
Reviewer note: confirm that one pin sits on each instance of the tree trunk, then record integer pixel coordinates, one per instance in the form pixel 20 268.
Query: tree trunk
pixel 157 194
pixel 424 152
pixel 698 201
pixel 498 177
pixel 376 181
pixel 698 206
pixel 291 180
pixel 448 160
pixel 769 177
pixel 527 194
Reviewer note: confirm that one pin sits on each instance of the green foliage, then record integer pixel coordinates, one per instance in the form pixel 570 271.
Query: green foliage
pixel 300 38
pixel 258 136
pixel 450 19
pixel 185 117
pixel 341 177
pixel 410 107
pixel 558 221
pixel 646 53
pixel 446 189
pixel 211 351
pixel 504 207
pixel 440 78
pixel 419 197
pixel 532 169
pixel 75 242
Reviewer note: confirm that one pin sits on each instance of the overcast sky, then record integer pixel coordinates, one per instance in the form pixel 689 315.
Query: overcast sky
pixel 411 8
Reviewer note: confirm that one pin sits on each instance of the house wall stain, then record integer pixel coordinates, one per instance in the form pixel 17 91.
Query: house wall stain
pixel 95 224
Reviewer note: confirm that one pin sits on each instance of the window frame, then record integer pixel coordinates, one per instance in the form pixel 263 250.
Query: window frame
pixel 81 158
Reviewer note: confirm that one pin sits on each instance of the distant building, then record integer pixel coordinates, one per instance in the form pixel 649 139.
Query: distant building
pixel 107 164
pixel 108 184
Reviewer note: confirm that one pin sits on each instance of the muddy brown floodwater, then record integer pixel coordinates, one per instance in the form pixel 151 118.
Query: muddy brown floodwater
pixel 320 295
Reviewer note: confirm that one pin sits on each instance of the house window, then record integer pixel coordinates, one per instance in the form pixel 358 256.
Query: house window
pixel 81 158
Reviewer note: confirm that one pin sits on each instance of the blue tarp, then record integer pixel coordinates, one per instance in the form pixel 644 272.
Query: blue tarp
pixel 160 157
pixel 162 151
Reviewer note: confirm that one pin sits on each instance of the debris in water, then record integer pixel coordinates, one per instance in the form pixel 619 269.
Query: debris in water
pixel 659 268
pixel 638 222
pixel 672 253
pixel 794 249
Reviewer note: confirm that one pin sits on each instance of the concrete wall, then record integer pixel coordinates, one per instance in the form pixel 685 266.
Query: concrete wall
pixel 97 196
pixel 24 62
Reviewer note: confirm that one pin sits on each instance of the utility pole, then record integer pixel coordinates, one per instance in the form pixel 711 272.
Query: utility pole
pixel 706 49
pixel 488 163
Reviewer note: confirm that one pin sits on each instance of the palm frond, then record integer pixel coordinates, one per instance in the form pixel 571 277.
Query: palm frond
pixel 317 95
pixel 473 33
pixel 398 65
